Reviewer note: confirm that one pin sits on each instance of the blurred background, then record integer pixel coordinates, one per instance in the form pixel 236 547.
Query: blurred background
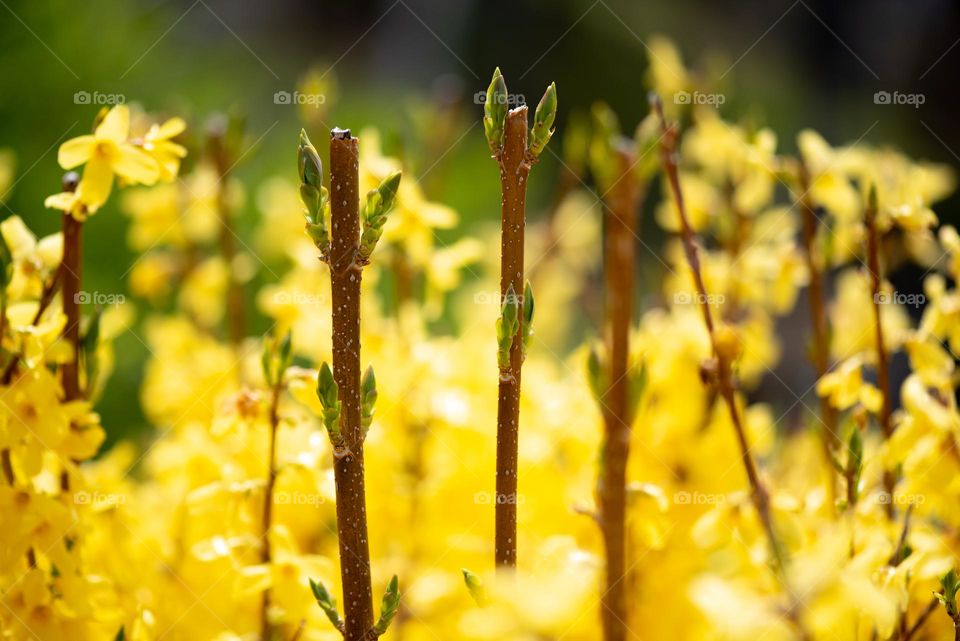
pixel 389 63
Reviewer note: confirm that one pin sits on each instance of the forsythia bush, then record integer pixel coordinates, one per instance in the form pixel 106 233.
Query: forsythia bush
pixel 739 523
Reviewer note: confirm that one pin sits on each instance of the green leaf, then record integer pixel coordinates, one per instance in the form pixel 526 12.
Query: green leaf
pixel 543 119
pixel 596 376
pixel 389 605
pixel 495 112
pixel 327 603
pixel 121 634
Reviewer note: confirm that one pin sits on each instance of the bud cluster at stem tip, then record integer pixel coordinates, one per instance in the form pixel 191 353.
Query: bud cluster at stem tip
pixel 378 204
pixel 313 194
pixel 495 109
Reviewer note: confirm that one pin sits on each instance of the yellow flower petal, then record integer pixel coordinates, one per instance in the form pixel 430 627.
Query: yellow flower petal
pixel 169 129
pixel 115 125
pixel 75 151
pixel 135 165
pixel 97 182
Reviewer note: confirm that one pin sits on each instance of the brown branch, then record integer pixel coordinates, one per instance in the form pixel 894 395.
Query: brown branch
pixel 514 164
pixel 724 379
pixel 348 462
pixel 883 367
pixel 819 323
pixel 620 216
pixel 267 519
pixel 235 304
pixel 927 611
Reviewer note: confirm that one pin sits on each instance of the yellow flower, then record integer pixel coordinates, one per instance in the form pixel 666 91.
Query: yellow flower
pixel 158 142
pixel 845 387
pixel 106 152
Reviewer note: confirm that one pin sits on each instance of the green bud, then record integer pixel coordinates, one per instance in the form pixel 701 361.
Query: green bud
pixel 475 587
pixel 495 112
pixel 327 603
pixel 374 215
pixel 596 374
pixel 389 605
pixel 637 382
pixel 276 358
pixel 327 391
pixel 543 119
pixel 872 198
pixel 949 584
pixel 528 309
pixel 309 163
pixel 313 194
pixel 368 398
pixel 507 326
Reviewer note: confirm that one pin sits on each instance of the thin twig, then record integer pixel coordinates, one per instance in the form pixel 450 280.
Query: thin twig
pixel 883 367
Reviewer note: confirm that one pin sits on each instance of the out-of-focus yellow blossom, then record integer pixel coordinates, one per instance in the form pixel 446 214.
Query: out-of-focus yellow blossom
pixel 158 142
pixel 845 387
pixel 203 293
pixel 666 75
pixel 852 317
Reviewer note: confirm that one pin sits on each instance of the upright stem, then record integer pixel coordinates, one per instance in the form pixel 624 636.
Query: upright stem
pixel 883 367
pixel 266 521
pixel 236 308
pixel 70 293
pixel 514 170
pixel 348 470
pixel 71 266
pixel 820 354
pixel 620 215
